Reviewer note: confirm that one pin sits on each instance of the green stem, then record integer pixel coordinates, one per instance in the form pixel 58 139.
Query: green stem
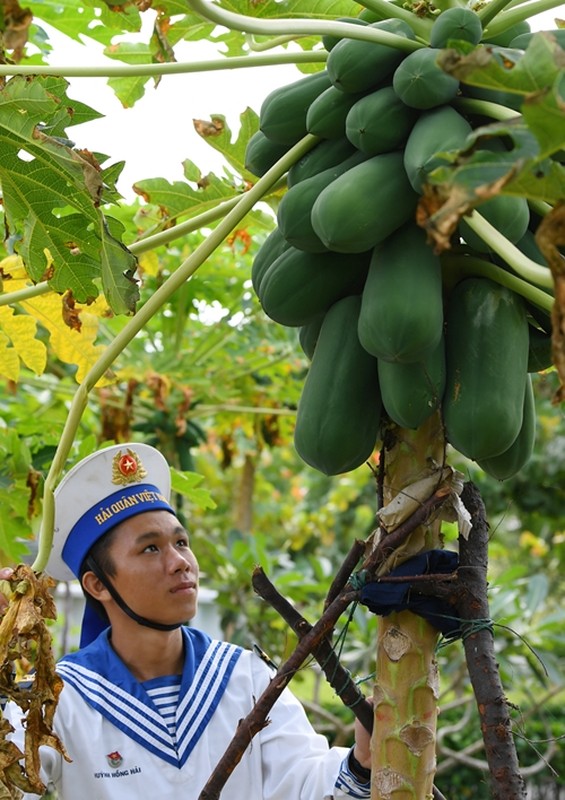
pixel 485 108
pixel 520 13
pixel 540 207
pixel 386 10
pixel 25 294
pixel 151 241
pixel 137 322
pixel 260 47
pixel 315 27
pixel 490 10
pixel 174 68
pixel 516 260
pixel 469 266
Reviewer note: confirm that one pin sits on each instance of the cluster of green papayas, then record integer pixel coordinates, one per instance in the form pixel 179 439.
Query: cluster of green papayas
pixel 388 338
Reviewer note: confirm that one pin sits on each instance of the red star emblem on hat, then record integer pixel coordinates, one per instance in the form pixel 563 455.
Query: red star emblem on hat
pixel 127 468
pixel 127 465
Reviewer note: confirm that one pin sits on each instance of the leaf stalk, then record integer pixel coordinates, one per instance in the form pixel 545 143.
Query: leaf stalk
pixel 471 266
pixel 170 68
pixel 520 13
pixel 315 27
pixel 516 260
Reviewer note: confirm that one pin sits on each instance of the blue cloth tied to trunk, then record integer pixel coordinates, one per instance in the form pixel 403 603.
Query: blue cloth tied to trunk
pixel 383 598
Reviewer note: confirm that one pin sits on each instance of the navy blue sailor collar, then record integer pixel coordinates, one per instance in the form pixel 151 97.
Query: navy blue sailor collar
pixel 101 678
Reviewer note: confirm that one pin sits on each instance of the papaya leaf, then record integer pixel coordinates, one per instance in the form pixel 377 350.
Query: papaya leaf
pixel 534 70
pixel 319 9
pixel 129 90
pixel 185 483
pixel 544 114
pixel 525 170
pixel 74 346
pixel 121 17
pixel 71 340
pixel 218 135
pixel 21 330
pixel 9 361
pixel 73 17
pixel 118 268
pixel 180 199
pixel 74 114
pixel 189 28
pixel 51 194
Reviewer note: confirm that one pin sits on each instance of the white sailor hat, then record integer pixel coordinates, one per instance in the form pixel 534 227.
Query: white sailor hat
pixel 102 490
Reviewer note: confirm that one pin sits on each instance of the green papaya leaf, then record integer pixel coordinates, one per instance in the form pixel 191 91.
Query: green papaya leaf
pixel 52 194
pixel 186 483
pixel 218 135
pixel 535 70
pixel 181 199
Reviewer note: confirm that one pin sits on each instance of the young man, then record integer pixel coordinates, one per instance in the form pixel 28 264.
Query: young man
pixel 149 705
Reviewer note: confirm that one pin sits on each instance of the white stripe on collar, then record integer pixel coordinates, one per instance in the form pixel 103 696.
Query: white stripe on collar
pixel 137 715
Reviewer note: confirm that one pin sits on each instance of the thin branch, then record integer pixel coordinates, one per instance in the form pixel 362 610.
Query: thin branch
pixel 464 265
pixel 344 572
pixel 529 270
pixel 478 640
pixel 337 676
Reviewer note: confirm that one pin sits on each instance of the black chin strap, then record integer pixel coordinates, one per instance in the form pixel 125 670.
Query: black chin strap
pixel 158 626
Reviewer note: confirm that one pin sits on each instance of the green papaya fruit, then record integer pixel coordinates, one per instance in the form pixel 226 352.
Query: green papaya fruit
pixel 364 205
pixel 486 360
pixel 356 66
pixel 298 286
pixel 401 317
pixel 458 24
pixel 421 83
pixel 379 122
pixel 412 392
pixel 295 207
pixel 339 412
pixel 435 131
pixel 282 116
pixel 512 460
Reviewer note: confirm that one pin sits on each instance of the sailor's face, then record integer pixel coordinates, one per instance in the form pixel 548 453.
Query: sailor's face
pixel 156 572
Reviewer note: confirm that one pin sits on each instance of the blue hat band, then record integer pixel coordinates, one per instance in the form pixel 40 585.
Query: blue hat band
pixel 98 520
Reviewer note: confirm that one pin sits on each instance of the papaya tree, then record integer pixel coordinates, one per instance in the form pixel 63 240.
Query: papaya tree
pixel 415 172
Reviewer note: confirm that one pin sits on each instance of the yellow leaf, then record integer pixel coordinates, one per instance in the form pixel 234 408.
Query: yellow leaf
pixel 21 330
pixel 149 263
pixel 14 267
pixel 71 346
pixel 9 361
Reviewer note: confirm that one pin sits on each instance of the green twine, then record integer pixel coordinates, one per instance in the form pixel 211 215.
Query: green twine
pixel 359 579
pixel 467 627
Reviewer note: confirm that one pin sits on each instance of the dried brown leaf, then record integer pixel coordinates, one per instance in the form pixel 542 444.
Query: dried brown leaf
pixel 550 235
pixel 25 645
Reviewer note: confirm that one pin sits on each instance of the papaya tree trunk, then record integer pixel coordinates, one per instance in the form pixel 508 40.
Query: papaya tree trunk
pixel 405 689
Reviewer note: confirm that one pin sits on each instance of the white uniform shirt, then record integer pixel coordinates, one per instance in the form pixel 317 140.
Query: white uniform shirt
pixel 121 748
